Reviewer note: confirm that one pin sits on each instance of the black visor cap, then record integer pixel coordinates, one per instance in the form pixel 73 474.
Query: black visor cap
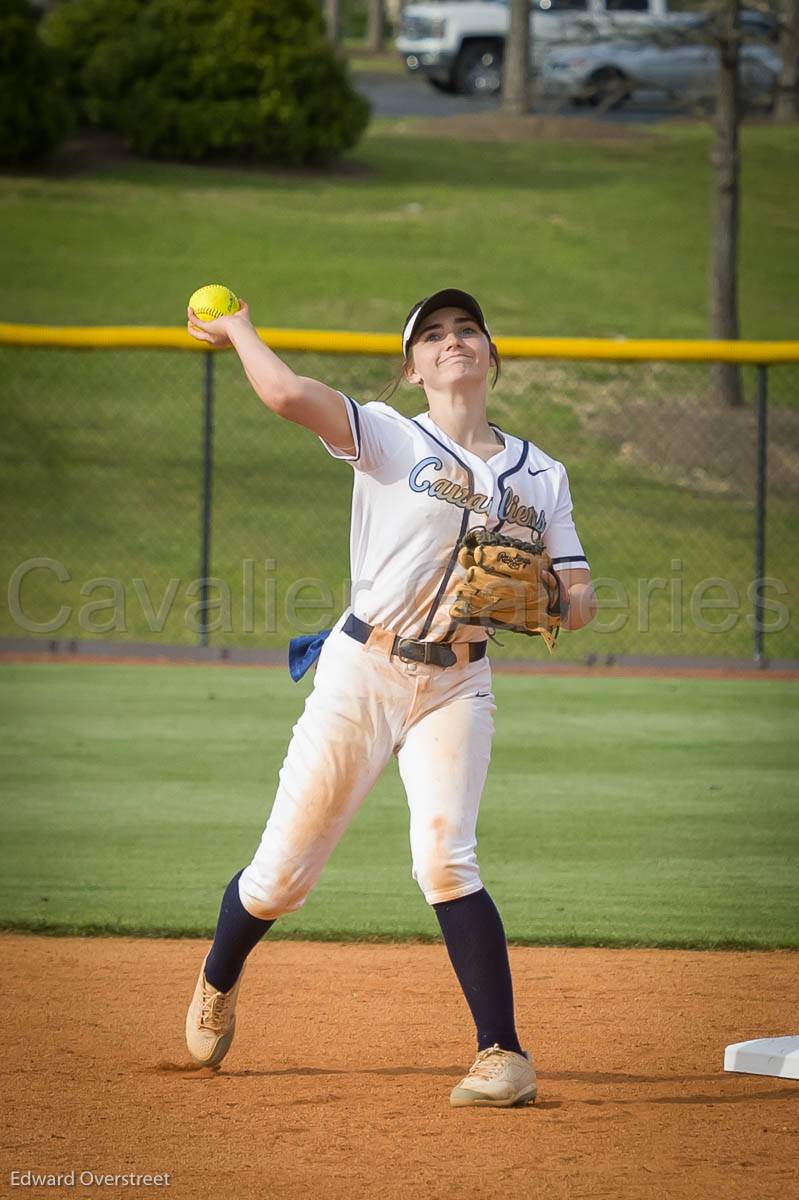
pixel 448 298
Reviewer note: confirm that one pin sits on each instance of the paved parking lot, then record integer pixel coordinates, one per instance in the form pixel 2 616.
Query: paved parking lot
pixel 411 96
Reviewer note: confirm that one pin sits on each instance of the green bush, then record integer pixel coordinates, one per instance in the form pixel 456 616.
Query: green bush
pixel 79 30
pixel 34 115
pixel 203 79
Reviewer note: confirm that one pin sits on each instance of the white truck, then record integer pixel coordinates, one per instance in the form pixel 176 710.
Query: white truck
pixel 458 44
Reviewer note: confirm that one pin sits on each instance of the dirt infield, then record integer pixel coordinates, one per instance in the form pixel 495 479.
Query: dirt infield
pixel 338 1082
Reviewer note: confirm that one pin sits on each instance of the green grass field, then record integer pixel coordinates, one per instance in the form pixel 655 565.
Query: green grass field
pixel 617 812
pixel 107 482
pixel 557 235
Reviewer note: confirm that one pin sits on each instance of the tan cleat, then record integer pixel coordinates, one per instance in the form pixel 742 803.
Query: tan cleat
pixel 497 1078
pixel 211 1021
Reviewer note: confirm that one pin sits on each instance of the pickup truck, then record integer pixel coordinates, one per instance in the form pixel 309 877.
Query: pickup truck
pixel 458 44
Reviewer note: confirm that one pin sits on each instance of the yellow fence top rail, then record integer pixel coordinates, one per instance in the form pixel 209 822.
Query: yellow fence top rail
pixel 118 337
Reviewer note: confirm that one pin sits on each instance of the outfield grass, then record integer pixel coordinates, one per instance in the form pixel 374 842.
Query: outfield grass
pixel 556 236
pixel 617 812
pixel 101 472
pixel 101 452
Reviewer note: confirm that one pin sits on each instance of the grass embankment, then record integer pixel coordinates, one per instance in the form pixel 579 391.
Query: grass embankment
pixel 102 474
pixel 617 812
pixel 557 236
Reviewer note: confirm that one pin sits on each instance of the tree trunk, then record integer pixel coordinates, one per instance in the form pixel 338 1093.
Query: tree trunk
pixel 725 162
pixel 516 67
pixel 788 88
pixel 332 10
pixel 374 35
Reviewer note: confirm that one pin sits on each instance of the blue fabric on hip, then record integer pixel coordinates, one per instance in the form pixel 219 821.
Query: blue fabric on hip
pixel 304 651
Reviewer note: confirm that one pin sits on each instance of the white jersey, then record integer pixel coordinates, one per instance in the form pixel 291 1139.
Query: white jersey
pixel 415 494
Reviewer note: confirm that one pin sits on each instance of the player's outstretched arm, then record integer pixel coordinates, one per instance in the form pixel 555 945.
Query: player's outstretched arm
pixel 296 398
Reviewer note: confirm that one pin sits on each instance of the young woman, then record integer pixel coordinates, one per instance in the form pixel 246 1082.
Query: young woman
pixel 396 675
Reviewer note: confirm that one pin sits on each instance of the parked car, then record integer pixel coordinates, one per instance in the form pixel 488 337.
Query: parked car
pixel 458 45
pixel 609 73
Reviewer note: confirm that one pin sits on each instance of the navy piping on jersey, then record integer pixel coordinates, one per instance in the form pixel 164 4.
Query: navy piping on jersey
pixel 567 558
pixel 357 421
pixel 464 522
pixel 506 475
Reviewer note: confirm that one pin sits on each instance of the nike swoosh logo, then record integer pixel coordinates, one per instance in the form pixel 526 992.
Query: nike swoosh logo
pixel 480 695
pixel 541 472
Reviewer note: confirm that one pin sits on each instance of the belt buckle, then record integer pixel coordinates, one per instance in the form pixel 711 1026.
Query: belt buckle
pixel 425 652
pixel 404 656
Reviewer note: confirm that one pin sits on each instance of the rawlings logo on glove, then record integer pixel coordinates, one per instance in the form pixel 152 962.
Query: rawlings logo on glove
pixel 514 561
pixel 505 590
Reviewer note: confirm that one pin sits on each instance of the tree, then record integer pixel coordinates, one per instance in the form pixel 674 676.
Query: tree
pixel 332 10
pixel 725 159
pixel 788 89
pixel 375 26
pixel 215 79
pixel 720 27
pixel 77 31
pixel 516 75
pixel 34 114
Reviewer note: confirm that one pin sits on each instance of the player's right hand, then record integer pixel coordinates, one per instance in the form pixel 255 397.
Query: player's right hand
pixel 217 332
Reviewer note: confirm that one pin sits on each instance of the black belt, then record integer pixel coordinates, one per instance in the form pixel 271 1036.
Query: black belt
pixel 408 650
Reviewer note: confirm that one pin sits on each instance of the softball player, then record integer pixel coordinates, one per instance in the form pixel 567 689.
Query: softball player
pixel 396 675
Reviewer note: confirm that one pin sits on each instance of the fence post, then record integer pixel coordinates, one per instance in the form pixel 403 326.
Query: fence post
pixel 205 508
pixel 760 511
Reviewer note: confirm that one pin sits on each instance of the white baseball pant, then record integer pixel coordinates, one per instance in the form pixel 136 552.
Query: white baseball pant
pixel 364 707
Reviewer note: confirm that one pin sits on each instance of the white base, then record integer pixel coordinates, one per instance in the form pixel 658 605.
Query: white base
pixel 765 1056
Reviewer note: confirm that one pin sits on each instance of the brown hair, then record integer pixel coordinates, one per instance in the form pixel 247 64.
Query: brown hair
pixel 392 385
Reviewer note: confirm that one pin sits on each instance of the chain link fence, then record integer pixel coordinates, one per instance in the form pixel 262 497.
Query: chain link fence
pixel 107 478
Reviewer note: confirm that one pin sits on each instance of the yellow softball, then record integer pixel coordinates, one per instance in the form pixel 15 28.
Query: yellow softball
pixel 214 300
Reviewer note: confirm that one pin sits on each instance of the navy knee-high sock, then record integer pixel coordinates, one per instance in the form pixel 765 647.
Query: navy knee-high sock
pixel 237 931
pixel 475 940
